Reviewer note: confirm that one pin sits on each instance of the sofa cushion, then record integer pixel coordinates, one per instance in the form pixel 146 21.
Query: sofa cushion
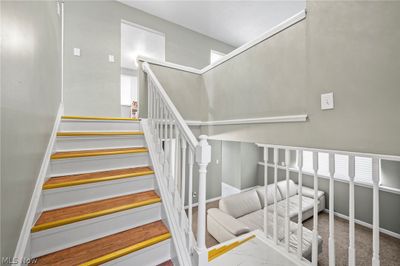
pixel 309 192
pixel 307 204
pixel 255 221
pixel 292 188
pixel 232 225
pixel 270 194
pixel 240 204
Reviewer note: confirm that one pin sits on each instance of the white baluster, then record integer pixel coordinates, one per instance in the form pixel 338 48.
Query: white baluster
pixel 167 118
pixel 287 219
pixel 161 131
pixel 266 191
pixel 331 209
pixel 375 218
pixel 315 218
pixel 300 211
pixel 149 96
pixel 352 255
pixel 183 184
pixel 203 157
pixel 177 170
pixel 171 155
pixel 190 198
pixel 275 196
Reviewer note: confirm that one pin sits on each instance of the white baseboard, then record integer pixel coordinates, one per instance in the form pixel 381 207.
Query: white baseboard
pixel 23 241
pixel 382 230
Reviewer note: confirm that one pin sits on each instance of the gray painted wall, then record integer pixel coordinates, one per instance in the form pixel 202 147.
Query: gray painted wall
pixel 30 96
pixel 92 84
pixel 231 163
pixel 348 47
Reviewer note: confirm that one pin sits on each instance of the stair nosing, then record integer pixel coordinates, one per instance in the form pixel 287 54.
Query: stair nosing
pixel 127 250
pixel 74 219
pixel 98 133
pixel 72 117
pixel 96 180
pixel 81 153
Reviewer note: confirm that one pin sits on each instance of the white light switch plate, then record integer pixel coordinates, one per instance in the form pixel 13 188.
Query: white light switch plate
pixel 77 52
pixel 111 58
pixel 327 101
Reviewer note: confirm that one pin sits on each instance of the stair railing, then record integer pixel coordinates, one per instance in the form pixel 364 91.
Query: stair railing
pixel 294 161
pixel 177 149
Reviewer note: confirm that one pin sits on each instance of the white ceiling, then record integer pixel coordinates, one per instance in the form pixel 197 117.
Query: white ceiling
pixel 232 22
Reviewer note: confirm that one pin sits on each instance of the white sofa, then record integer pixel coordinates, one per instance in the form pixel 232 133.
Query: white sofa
pixel 244 212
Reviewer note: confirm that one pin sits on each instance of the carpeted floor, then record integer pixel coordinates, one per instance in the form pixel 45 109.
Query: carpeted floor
pixel 389 246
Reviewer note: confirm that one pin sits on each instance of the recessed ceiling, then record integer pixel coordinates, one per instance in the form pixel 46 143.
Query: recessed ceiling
pixel 232 22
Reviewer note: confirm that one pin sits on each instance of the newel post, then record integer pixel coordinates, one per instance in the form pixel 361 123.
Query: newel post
pixel 203 157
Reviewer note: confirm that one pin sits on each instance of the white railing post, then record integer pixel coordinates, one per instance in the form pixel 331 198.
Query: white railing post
pixel 300 211
pixel 287 219
pixel 275 196
pixel 315 216
pixel 266 191
pixel 177 170
pixel 375 219
pixel 331 209
pixel 203 158
pixel 352 254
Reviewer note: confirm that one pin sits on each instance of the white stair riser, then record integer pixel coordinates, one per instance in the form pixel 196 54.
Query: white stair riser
pixel 98 125
pixel 73 195
pixel 98 142
pixel 51 240
pixel 150 256
pixel 98 163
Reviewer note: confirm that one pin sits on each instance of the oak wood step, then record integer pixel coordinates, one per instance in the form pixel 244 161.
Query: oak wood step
pixel 73 117
pixel 100 152
pixel 94 177
pixel 98 133
pixel 67 215
pixel 108 248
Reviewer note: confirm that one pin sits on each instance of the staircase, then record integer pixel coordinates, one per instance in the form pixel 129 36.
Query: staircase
pixel 100 203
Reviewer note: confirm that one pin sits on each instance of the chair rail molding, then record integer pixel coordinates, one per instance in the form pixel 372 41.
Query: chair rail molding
pixel 258 120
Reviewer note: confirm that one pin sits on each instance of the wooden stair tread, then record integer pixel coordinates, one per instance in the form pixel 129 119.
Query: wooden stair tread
pixel 103 247
pixel 86 178
pixel 166 263
pixel 99 152
pixel 71 214
pixel 98 133
pixel 73 117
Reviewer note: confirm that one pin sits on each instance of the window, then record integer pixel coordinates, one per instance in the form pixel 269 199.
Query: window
pixel 128 89
pixel 215 56
pixel 363 166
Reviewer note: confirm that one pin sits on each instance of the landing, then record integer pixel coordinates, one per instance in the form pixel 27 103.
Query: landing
pixel 249 249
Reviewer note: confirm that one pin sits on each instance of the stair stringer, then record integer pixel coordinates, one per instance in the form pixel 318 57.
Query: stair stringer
pixel 178 238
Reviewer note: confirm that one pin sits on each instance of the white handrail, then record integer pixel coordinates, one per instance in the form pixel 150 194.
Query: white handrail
pixel 173 148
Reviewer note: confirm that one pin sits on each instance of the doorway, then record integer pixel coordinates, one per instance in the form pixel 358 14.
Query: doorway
pixel 136 40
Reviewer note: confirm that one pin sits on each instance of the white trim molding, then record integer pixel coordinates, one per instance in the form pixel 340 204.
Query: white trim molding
pixel 258 120
pixel 264 36
pixel 21 250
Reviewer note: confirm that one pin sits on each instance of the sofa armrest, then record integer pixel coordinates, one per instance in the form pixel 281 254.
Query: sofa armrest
pixel 231 224
pixel 309 192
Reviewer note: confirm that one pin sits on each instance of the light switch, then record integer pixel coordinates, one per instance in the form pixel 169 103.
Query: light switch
pixel 77 52
pixel 327 101
pixel 111 58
